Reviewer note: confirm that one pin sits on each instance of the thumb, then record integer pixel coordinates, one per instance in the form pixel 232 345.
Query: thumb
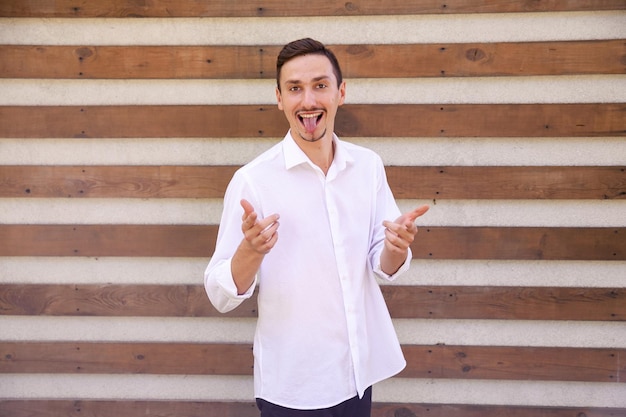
pixel 247 207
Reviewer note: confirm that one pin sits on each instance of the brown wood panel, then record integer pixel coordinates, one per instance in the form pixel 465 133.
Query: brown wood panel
pixel 45 181
pixel 358 61
pixel 506 303
pixel 539 243
pixel 269 8
pixel 415 182
pixel 404 302
pixel 126 358
pixel 514 363
pixel 130 408
pixel 423 361
pixel 354 120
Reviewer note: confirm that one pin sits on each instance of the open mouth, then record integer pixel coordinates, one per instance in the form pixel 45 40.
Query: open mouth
pixel 310 120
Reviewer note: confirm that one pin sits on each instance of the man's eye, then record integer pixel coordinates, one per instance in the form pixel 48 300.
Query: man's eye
pixel 321 86
pixel 294 88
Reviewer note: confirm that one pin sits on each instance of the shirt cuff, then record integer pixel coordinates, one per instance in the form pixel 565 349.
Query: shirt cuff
pixel 405 266
pixel 227 284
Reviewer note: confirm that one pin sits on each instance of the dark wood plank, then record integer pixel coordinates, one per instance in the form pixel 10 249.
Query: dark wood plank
pixel 467 410
pixel 509 183
pixel 404 302
pixel 423 361
pixel 108 240
pixel 47 181
pixel 506 303
pixel 354 120
pixel 514 363
pixel 130 408
pixel 273 8
pixel 414 182
pixel 358 61
pixel 538 243
pixel 114 301
pixel 126 358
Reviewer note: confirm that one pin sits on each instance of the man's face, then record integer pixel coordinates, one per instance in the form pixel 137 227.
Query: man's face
pixel 309 96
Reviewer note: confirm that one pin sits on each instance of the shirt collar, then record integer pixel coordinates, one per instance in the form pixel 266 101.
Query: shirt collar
pixel 295 156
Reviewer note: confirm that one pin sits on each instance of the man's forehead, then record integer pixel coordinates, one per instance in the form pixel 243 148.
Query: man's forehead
pixel 307 68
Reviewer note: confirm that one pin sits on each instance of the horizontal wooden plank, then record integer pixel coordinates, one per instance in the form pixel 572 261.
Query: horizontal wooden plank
pixel 423 361
pixel 538 243
pixel 131 408
pixel 416 182
pixel 279 8
pixel 354 120
pixel 404 302
pixel 358 61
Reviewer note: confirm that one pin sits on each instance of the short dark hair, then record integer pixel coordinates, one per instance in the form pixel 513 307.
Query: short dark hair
pixel 303 47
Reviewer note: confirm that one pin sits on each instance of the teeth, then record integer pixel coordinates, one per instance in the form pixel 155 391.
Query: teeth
pixel 309 116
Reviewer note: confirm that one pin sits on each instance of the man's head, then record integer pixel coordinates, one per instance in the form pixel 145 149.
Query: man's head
pixel 309 89
pixel 306 46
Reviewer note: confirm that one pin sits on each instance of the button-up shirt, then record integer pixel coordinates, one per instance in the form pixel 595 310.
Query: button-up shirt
pixel 324 333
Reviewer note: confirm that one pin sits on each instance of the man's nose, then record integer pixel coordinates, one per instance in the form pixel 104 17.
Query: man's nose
pixel 309 99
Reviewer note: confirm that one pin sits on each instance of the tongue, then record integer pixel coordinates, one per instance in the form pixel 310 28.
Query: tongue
pixel 310 123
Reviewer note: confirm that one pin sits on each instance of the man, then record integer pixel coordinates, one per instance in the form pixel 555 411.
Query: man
pixel 324 335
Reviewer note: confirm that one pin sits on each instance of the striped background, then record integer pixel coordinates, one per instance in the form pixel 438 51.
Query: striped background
pixel 43 285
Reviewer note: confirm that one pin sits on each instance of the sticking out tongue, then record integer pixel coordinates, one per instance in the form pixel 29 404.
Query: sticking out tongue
pixel 310 123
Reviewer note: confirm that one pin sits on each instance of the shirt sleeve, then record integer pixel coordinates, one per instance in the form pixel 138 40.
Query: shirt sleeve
pixel 218 279
pixel 386 209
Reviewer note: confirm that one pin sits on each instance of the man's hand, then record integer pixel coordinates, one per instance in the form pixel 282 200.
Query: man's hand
pixel 259 238
pixel 261 235
pixel 399 235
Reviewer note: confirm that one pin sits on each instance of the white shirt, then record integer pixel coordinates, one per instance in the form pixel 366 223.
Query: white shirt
pixel 324 333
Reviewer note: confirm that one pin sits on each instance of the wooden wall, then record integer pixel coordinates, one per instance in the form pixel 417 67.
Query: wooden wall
pixel 118 136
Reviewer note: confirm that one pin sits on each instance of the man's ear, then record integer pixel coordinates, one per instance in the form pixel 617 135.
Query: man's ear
pixel 342 93
pixel 279 99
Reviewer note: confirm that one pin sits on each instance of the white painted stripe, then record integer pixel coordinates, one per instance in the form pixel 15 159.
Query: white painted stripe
pixel 189 271
pixel 484 90
pixel 458 28
pixel 575 334
pixel 127 387
pixel 523 393
pixel 600 151
pixel 539 213
pixel 233 388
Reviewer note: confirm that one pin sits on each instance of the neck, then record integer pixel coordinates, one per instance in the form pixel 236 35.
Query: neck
pixel 320 152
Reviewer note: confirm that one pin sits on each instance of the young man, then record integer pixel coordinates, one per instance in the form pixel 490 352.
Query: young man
pixel 324 335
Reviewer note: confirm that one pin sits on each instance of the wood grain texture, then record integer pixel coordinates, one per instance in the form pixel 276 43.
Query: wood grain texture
pixel 273 8
pixel 404 302
pixel 423 361
pixel 357 61
pixel 407 182
pixel 130 408
pixel 521 243
pixel 353 120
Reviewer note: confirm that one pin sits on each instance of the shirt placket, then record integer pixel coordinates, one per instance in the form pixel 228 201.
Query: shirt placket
pixel 342 262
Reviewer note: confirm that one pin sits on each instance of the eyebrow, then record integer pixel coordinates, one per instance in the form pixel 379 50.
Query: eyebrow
pixel 316 79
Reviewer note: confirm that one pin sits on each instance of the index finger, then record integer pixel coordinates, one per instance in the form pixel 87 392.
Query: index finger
pixel 421 210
